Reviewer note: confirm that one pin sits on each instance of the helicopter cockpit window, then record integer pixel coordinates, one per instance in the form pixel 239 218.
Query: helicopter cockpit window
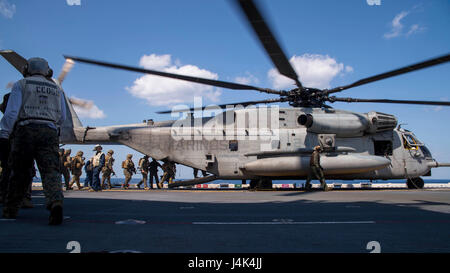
pixel 410 142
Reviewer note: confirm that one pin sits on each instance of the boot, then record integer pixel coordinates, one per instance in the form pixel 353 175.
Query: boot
pixel 56 213
pixel 308 186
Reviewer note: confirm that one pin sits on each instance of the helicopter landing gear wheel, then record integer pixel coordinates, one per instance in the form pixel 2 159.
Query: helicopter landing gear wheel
pixel 415 183
pixel 258 184
pixel 253 184
pixel 265 183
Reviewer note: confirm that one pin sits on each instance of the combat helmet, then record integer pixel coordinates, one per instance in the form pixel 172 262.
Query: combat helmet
pixel 37 66
pixel 98 146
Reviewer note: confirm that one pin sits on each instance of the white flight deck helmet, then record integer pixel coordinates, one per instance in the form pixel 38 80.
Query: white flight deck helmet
pixel 37 66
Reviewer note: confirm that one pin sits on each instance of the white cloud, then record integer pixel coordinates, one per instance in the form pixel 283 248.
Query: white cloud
pixel 6 9
pixel 348 69
pixel 397 26
pixel 73 2
pixel 87 109
pixel 161 91
pixel 440 108
pixel 314 70
pixel 415 29
pixel 154 61
pixel 248 79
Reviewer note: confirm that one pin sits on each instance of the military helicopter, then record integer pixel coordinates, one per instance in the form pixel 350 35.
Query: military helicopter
pixel 266 143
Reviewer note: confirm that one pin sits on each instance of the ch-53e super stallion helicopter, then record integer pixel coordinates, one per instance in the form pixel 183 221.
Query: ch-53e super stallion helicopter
pixel 266 143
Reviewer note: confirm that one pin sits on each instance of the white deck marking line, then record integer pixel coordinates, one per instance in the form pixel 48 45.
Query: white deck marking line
pixel 284 223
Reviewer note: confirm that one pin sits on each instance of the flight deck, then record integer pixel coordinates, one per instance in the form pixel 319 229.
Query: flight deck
pixel 236 221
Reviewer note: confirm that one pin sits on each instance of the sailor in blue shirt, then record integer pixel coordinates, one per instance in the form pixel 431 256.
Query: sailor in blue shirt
pixel 35 111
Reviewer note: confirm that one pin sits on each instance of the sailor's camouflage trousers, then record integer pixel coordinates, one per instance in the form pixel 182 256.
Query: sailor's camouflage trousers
pixel 38 142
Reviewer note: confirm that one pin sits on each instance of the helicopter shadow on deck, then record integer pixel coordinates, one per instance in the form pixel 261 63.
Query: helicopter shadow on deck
pixel 233 223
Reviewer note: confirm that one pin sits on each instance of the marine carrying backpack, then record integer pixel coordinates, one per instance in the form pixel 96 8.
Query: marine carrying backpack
pixel 140 162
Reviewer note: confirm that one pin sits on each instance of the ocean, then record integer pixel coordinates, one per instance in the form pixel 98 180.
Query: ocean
pixel 119 181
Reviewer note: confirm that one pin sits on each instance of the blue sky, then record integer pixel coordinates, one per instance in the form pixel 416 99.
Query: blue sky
pixel 344 40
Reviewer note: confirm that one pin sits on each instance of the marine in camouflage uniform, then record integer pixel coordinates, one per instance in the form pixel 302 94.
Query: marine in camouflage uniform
pixel 128 170
pixel 316 171
pixel 88 169
pixel 76 167
pixel 61 162
pixel 36 108
pixel 195 171
pixel 169 169
pixel 66 168
pixel 5 171
pixel 107 170
pixel 153 168
pixel 144 165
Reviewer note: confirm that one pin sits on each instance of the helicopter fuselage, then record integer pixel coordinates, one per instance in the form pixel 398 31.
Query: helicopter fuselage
pixel 276 143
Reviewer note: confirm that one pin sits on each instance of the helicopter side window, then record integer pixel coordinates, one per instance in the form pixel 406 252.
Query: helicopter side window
pixel 410 142
pixel 382 147
pixel 233 145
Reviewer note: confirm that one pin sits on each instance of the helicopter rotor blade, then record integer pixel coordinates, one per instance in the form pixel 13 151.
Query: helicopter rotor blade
pixel 223 106
pixel 85 104
pixel 439 103
pixel 223 84
pixel 14 59
pixel 65 70
pixel 268 40
pixel 396 72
